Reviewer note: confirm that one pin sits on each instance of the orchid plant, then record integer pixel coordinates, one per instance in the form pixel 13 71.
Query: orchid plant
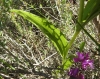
pixel 86 13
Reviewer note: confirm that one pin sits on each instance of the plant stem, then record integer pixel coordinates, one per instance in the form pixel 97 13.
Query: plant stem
pixel 77 30
pixel 71 42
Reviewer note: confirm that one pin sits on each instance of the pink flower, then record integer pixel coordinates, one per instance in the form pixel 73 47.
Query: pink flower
pixel 75 74
pixel 84 59
pixel 81 57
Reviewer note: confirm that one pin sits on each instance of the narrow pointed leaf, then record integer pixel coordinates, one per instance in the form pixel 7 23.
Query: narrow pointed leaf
pixel 47 28
pixel 82 46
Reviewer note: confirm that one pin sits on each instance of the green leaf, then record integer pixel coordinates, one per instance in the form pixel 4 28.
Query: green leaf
pixel 82 46
pixel 47 28
pixel 88 8
pixel 91 10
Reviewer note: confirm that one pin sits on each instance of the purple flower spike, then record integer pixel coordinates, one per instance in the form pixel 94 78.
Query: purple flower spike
pixel 87 63
pixel 75 74
pixel 81 57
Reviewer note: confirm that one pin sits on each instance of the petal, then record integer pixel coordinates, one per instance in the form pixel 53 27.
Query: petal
pixel 87 56
pixel 76 60
pixel 84 67
pixel 87 63
pixel 81 56
pixel 73 72
pixel 91 64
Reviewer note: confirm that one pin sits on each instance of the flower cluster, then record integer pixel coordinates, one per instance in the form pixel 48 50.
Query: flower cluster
pixel 86 63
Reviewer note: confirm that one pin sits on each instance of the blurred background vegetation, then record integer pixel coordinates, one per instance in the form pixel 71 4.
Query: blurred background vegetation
pixel 26 53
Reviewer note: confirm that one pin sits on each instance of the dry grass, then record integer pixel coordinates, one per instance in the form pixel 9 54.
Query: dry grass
pixel 26 53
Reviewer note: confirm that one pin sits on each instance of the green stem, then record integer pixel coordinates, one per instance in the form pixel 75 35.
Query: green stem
pixel 78 29
pixel 71 42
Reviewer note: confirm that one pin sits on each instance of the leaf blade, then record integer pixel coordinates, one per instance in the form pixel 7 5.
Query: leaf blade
pixel 47 28
pixel 91 10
